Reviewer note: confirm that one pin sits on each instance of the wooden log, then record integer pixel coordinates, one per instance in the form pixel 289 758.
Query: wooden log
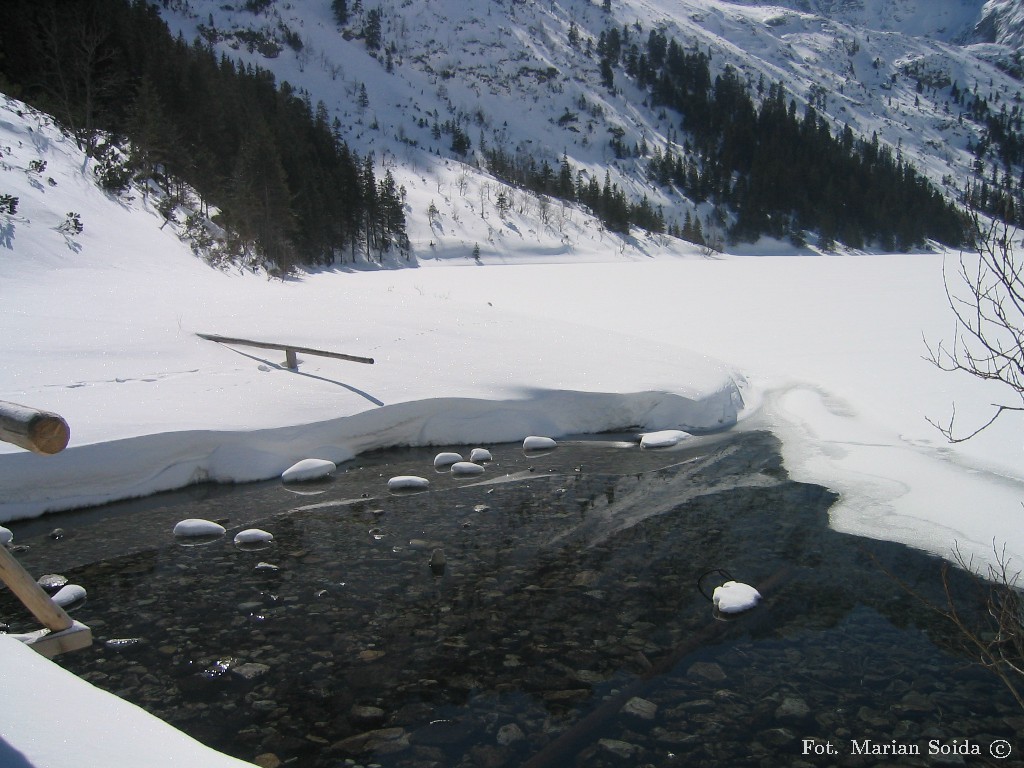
pixel 50 644
pixel 288 349
pixel 34 597
pixel 32 429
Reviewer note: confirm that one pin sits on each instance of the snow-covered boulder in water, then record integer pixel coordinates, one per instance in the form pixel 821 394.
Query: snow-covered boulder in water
pixel 446 459
pixel 480 454
pixel 253 536
pixel 735 597
pixel 664 439
pixel 68 595
pixel 408 483
pixel 308 469
pixel 537 443
pixel 466 468
pixel 194 527
pixel 6 536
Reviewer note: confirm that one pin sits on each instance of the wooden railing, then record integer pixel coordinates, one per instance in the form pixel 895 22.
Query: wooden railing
pixel 32 429
pixel 290 350
pixel 46 433
pixel 61 633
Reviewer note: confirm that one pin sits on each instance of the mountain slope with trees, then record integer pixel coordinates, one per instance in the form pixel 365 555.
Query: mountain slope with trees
pixel 358 130
pixel 167 113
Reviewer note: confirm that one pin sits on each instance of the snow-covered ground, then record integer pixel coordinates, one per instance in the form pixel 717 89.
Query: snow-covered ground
pixel 826 351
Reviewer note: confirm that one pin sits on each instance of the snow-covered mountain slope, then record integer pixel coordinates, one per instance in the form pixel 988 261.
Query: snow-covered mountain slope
pixel 524 78
pixel 1002 21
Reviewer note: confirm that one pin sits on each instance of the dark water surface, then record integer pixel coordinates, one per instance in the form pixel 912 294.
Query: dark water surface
pixel 566 627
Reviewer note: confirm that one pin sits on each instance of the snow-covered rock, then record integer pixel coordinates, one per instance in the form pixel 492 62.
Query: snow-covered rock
pixel 195 526
pixel 407 483
pixel 480 454
pixel 308 469
pixel 537 443
pixel 666 438
pixel 69 594
pixel 446 459
pixel 466 468
pixel 253 536
pixel 735 597
pixel 6 536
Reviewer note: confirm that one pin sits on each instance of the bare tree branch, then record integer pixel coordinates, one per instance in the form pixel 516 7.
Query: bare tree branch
pixel 986 295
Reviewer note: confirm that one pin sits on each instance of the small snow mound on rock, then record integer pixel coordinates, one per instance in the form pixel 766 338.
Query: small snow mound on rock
pixel 195 526
pixel 536 443
pixel 480 454
pixel 68 594
pixel 664 439
pixel 407 482
pixel 735 597
pixel 308 469
pixel 447 458
pixel 253 536
pixel 466 468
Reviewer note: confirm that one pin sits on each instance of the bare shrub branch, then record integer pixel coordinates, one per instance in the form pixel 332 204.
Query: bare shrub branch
pixel 986 295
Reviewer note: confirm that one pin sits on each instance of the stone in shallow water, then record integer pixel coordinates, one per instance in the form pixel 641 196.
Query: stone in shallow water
pixel 792 709
pixel 382 739
pixel 466 468
pixel 52 581
pixel 621 749
pixel 480 454
pixel 663 439
pixel 250 670
pixel 642 708
pixel 195 526
pixel 308 469
pixel 6 536
pixel 68 595
pixel 366 715
pixel 446 459
pixel 253 536
pixel 735 597
pixel 706 670
pixel 538 443
pixel 510 733
pixel 408 483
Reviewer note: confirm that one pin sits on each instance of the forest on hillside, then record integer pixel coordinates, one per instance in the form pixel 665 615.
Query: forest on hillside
pixel 766 167
pixel 155 110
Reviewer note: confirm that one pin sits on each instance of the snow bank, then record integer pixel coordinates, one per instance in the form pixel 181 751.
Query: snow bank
pixel 666 438
pixel 138 466
pixel 79 726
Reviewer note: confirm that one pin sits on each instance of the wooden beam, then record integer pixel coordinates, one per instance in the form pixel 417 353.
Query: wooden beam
pixel 50 644
pixel 32 429
pixel 34 597
pixel 288 349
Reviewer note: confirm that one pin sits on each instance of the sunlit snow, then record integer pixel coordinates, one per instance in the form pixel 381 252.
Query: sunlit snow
pixel 735 597
pixel 196 527
pixel 308 469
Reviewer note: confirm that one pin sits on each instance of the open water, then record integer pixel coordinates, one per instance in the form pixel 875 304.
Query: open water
pixel 566 626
